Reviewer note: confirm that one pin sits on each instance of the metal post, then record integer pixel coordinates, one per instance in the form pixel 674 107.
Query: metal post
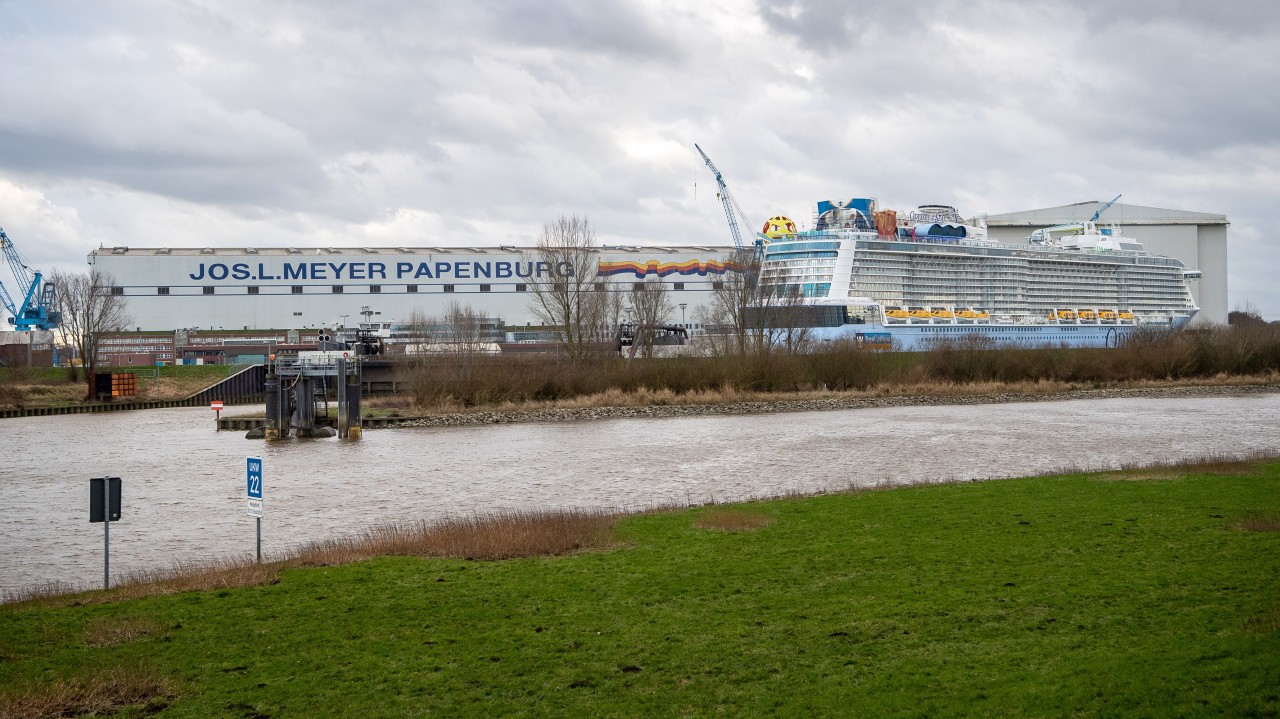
pixel 106 533
pixel 305 398
pixel 259 523
pixel 272 392
pixel 341 376
pixel 354 389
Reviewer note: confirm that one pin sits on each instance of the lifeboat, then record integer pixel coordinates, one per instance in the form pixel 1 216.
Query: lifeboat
pixel 1126 315
pixel 1088 316
pixel 896 314
pixel 919 313
pixel 1066 315
pixel 942 313
pixel 1107 315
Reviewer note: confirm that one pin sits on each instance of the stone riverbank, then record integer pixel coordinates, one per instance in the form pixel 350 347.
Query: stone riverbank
pixel 833 402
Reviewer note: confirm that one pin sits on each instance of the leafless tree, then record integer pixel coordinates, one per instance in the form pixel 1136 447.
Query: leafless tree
pixel 724 317
pixel 650 306
pixel 790 323
pixel 90 308
pixel 745 315
pixel 1246 315
pixel 567 292
pixel 465 332
pixel 445 354
pixel 415 366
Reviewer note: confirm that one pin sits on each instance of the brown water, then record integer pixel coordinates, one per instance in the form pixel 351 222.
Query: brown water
pixel 184 483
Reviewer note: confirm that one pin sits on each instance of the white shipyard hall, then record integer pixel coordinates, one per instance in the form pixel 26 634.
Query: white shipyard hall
pixel 295 288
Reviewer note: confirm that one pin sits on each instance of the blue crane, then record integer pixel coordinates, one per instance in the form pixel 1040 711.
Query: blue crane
pixel 732 210
pixel 38 310
pixel 1103 209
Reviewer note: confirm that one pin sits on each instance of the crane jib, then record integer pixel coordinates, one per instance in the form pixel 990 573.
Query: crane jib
pixel 732 210
pixel 38 308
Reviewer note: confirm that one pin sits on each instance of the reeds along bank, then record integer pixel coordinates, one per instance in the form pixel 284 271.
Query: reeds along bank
pixel 1148 356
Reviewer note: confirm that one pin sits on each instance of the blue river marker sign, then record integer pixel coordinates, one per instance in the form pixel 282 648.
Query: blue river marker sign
pixel 253 492
pixel 253 485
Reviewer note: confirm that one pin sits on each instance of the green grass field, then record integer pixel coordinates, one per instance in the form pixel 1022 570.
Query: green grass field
pixel 1146 594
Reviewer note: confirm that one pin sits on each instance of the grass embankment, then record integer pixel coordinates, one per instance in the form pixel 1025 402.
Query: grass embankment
pixel 53 386
pixel 1149 593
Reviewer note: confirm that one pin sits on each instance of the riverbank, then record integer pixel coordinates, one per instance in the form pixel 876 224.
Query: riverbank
pixel 38 391
pixel 655 405
pixel 1100 594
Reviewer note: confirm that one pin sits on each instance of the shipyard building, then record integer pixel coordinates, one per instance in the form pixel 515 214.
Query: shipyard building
pixel 308 289
pixel 215 289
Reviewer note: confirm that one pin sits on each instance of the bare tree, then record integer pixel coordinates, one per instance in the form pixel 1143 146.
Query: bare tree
pixel 446 354
pixel 416 368
pixel 463 331
pixel 791 321
pixel 747 315
pixel 1246 315
pixel 90 308
pixel 650 307
pixel 724 316
pixel 567 292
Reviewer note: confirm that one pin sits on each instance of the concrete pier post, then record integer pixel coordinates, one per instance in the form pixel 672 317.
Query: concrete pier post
pixel 353 406
pixel 305 399
pixel 285 418
pixel 273 398
pixel 341 377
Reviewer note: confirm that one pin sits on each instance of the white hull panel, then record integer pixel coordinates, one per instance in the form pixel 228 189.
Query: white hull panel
pixel 907 337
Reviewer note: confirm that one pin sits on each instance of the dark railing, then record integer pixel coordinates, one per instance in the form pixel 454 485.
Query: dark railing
pixel 247 385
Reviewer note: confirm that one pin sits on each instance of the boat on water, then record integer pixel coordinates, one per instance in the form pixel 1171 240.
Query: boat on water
pixel 908 282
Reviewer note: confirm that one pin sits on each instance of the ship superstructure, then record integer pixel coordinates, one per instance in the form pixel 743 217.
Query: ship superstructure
pixel 932 274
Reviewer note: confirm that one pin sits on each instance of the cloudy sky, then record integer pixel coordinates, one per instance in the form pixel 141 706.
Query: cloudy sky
pixel 417 123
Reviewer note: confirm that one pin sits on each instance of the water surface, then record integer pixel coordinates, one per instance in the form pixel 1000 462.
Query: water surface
pixel 184 483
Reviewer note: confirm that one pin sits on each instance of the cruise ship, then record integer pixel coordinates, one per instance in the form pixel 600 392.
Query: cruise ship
pixel 908 282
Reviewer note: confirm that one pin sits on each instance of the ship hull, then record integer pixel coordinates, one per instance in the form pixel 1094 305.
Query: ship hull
pixel 913 338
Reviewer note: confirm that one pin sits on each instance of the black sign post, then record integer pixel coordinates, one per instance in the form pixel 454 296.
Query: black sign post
pixel 104 506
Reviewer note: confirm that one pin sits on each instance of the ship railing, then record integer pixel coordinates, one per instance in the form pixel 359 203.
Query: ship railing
pixel 292 366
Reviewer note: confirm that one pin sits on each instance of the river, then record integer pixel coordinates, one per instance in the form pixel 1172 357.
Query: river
pixel 184 483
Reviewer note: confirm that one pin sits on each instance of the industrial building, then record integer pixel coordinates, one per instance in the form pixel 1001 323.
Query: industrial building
pixel 1198 239
pixel 306 289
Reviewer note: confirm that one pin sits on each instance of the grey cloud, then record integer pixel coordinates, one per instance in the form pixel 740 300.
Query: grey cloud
pixel 301 119
pixel 196 178
pixel 585 26
pixel 1181 78
pixel 833 25
pixel 1236 18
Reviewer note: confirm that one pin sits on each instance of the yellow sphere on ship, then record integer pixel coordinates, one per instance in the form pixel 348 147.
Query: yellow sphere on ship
pixel 778 226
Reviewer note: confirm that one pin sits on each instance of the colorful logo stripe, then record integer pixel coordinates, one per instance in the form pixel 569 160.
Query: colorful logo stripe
pixel 662 269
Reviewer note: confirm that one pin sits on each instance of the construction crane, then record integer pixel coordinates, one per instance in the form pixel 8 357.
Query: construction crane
pixel 38 310
pixel 732 210
pixel 1103 209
